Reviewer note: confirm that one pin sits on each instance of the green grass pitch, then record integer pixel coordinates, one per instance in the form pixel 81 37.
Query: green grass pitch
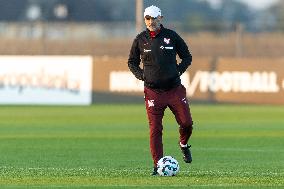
pixel 107 146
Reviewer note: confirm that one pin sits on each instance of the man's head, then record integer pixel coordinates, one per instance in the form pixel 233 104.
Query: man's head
pixel 153 18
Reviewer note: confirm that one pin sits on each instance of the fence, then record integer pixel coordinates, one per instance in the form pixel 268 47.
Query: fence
pixel 114 39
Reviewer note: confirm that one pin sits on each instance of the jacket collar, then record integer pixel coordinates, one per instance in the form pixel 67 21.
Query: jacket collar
pixel 148 32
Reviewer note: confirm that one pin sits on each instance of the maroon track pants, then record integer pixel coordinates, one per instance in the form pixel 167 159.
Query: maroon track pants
pixel 156 103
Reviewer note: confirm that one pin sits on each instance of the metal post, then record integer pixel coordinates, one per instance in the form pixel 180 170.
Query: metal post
pixel 239 36
pixel 139 15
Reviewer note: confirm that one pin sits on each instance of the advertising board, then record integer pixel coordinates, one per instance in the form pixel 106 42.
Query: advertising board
pixel 224 80
pixel 48 80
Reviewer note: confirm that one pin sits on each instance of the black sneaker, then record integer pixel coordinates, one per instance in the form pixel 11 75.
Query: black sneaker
pixel 186 154
pixel 155 171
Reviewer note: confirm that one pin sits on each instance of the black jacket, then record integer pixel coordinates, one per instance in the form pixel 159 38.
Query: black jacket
pixel 160 69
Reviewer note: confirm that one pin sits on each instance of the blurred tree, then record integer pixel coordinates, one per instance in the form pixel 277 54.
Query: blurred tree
pixel 88 10
pixel 102 10
pixel 232 12
pixel 193 14
pixel 278 12
pixel 12 9
pixel 189 15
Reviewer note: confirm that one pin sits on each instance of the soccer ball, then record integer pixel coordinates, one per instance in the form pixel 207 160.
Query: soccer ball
pixel 167 166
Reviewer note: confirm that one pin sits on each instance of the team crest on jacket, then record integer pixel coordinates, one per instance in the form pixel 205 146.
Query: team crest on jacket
pixel 167 40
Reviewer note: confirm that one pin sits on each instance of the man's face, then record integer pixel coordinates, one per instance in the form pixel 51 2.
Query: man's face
pixel 152 24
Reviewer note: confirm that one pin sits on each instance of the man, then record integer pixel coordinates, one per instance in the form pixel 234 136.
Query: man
pixel 158 47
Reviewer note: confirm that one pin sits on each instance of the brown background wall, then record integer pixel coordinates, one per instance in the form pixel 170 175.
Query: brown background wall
pixel 104 65
pixel 253 65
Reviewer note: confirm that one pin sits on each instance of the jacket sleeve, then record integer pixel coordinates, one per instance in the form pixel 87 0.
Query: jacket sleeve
pixel 184 55
pixel 134 60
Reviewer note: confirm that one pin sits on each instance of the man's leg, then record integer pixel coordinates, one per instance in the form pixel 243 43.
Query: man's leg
pixel 156 134
pixel 180 108
pixel 155 112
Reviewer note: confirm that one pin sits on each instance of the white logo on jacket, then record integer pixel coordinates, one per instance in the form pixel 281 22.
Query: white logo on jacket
pixel 169 48
pixel 167 40
pixel 151 103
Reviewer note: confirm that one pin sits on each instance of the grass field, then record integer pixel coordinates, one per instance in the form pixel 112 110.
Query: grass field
pixel 106 146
